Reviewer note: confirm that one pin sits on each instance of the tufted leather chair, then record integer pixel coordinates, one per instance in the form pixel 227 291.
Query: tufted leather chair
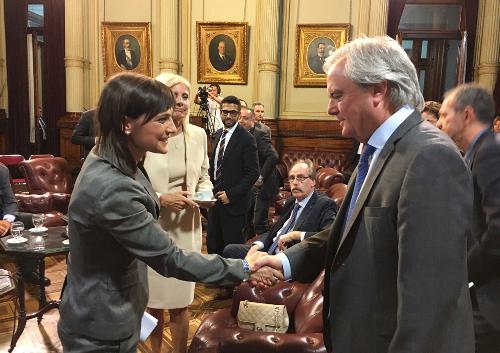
pixel 337 193
pixel 12 161
pixel 49 175
pixel 34 203
pixel 219 332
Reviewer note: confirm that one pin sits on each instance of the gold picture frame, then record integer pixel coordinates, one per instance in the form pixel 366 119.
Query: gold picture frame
pixel 312 39
pixel 230 39
pixel 116 36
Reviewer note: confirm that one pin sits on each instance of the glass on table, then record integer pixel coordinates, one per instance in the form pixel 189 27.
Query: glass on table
pixel 38 219
pixel 37 242
pixel 16 229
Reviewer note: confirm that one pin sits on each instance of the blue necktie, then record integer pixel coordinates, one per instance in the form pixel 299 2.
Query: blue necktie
pixel 360 177
pixel 289 227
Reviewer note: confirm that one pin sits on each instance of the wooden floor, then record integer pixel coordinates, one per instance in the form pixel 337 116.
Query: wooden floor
pixel 43 338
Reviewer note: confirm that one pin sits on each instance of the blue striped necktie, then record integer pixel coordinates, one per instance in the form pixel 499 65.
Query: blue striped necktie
pixel 288 228
pixel 363 166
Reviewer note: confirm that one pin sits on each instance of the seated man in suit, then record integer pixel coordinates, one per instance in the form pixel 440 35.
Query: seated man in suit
pixel 9 213
pixel 304 214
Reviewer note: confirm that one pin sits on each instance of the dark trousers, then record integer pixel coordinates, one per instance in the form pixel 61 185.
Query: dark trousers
pixel 236 251
pixel 75 343
pixel 223 228
pixel 487 337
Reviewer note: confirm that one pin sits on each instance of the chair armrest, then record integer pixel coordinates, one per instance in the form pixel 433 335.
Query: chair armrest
pixel 287 293
pixel 34 203
pixel 219 332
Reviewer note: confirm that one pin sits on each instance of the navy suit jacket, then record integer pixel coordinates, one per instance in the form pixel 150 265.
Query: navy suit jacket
pixel 318 215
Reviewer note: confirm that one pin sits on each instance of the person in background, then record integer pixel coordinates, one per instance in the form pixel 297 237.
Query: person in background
pixel 9 213
pixel 214 101
pixel 114 229
pixel 496 124
pixel 176 177
pixel 394 259
pixel 466 116
pixel 266 186
pixel 84 133
pixel 431 111
pixel 234 169
pixel 258 110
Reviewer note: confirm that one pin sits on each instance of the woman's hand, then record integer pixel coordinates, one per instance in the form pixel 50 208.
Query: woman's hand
pixel 177 200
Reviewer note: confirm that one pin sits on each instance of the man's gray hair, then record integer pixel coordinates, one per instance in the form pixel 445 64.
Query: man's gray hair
pixel 475 96
pixel 370 61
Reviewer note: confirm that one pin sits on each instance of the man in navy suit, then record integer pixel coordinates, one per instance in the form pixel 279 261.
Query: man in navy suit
pixel 234 169
pixel 305 214
pixel 466 116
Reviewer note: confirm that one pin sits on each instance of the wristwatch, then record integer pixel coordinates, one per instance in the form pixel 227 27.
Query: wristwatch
pixel 246 270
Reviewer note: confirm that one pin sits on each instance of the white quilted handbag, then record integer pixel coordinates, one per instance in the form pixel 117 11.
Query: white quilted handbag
pixel 262 317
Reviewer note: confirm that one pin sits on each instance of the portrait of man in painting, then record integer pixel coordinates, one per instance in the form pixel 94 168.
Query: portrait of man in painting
pixel 222 52
pixel 127 52
pixel 319 49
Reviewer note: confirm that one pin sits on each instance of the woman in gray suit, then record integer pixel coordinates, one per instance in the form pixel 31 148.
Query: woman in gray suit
pixel 113 229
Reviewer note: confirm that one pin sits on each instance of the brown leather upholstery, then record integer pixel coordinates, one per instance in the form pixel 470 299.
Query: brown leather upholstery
pixel 49 175
pixel 12 161
pixel 219 332
pixel 34 203
pixel 337 193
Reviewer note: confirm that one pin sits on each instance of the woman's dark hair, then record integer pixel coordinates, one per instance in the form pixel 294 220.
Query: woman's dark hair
pixel 216 85
pixel 127 95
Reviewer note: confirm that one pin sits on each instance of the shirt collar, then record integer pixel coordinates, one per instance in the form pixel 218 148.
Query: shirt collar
pixel 385 131
pixel 468 153
pixel 304 202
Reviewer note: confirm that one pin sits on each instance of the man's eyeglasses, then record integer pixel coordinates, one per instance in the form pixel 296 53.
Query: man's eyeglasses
pixel 299 178
pixel 233 113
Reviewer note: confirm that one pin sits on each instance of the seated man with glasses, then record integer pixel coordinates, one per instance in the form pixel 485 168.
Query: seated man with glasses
pixel 304 214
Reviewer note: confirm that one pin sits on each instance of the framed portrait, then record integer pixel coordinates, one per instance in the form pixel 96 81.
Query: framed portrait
pixel 314 44
pixel 222 52
pixel 126 47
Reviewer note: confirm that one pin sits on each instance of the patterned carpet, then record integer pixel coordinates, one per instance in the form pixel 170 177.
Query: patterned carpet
pixel 43 338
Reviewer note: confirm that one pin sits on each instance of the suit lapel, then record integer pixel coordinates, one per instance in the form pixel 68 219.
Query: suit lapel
pixel 306 212
pixel 232 142
pixel 413 120
pixel 144 181
pixel 476 147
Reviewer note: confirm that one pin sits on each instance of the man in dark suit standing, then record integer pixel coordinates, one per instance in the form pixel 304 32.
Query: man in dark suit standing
pixel 234 168
pixel 304 214
pixel 466 116
pixel 396 270
pixel 266 186
pixel 84 133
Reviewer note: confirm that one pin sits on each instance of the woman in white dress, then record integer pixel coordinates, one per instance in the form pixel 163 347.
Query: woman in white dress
pixel 175 177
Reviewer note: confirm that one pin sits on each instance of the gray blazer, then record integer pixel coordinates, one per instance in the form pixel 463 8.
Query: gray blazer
pixel 114 234
pixel 8 202
pixel 396 273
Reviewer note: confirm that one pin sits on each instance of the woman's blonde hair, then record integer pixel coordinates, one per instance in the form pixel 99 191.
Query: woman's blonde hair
pixel 170 80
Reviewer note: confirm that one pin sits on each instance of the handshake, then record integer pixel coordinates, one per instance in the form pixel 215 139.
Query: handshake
pixel 267 270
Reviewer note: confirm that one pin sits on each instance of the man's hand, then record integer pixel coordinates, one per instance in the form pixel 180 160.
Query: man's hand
pixel 253 257
pixel 252 251
pixel 177 200
pixel 265 277
pixel 4 227
pixel 258 183
pixel 260 260
pixel 222 196
pixel 288 239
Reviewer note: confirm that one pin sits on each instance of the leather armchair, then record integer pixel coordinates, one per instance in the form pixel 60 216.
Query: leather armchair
pixel 49 175
pixel 33 203
pixel 219 332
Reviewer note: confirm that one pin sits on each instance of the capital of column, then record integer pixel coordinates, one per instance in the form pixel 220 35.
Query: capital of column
pixel 74 61
pixel 268 66
pixel 169 65
pixel 488 68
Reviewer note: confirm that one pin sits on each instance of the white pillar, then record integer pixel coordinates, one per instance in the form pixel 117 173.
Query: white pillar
pixel 268 65
pixel 489 56
pixel 73 59
pixel 169 36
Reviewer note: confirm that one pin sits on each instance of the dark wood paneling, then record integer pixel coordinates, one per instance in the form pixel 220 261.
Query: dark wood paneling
pixel 54 72
pixel 4 133
pixel 15 13
pixel 72 153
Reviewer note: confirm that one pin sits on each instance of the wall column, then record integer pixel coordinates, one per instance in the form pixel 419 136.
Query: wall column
pixel 489 44
pixel 372 17
pixel 73 58
pixel 268 66
pixel 169 36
